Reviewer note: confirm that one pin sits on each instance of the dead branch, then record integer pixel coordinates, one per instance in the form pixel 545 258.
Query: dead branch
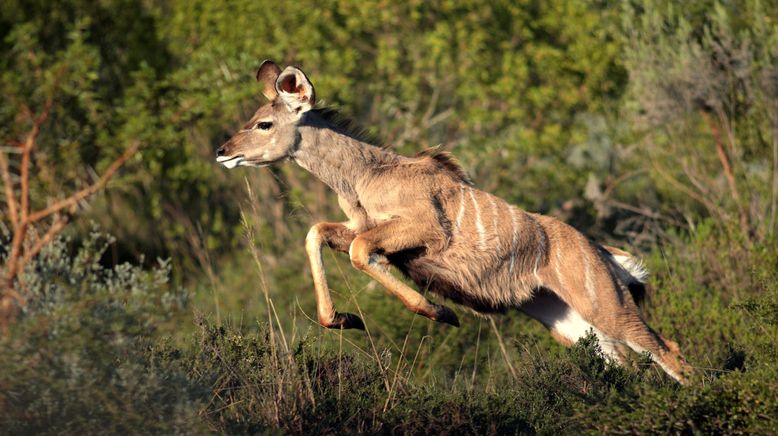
pixel 727 167
pixel 10 200
pixel 774 187
pixel 712 208
pixel 29 144
pixel 89 190
pixel 621 179
pixel 56 228
pixel 23 220
pixel 16 260
pixel 12 262
pixel 643 211
pixel 692 178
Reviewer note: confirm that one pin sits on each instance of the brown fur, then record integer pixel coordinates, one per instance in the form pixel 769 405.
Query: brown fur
pixel 422 215
pixel 446 162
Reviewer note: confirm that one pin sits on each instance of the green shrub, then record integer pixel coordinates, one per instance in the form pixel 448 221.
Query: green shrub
pixel 87 356
pixel 76 361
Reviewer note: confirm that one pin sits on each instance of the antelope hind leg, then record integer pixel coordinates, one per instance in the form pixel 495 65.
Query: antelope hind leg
pixel 663 351
pixel 338 237
pixel 391 237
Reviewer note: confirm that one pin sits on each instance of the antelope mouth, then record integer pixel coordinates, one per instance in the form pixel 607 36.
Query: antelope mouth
pixel 231 161
pixel 240 160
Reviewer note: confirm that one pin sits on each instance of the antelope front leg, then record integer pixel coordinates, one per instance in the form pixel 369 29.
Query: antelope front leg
pixel 338 237
pixel 391 237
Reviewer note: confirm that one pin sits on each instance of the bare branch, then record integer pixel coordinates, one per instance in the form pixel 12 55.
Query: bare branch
pixel 29 144
pixel 56 228
pixel 26 112
pixel 9 294
pixel 24 175
pixel 727 167
pixel 774 187
pixel 643 211
pixel 12 261
pixel 10 200
pixel 692 178
pixel 621 179
pixel 20 216
pixel 74 199
pixel 13 143
pixel 712 208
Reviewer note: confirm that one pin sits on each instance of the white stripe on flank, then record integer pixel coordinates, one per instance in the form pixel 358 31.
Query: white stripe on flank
pixel 494 221
pixel 461 213
pixel 557 261
pixel 588 276
pixel 537 262
pixel 479 225
pixel 515 230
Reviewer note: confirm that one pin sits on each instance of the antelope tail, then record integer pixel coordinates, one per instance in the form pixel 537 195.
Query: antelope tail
pixel 631 271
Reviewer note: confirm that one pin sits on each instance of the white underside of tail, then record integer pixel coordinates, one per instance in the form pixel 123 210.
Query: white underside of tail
pixel 633 266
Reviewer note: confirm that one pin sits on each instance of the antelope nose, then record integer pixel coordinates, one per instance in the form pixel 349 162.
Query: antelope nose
pixel 220 151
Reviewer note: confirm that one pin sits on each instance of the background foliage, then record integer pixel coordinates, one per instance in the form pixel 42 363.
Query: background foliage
pixel 646 125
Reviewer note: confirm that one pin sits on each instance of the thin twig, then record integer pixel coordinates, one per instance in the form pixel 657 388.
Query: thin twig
pixel 621 179
pixel 502 347
pixel 475 355
pixel 683 188
pixel 56 227
pixel 692 178
pixel 648 213
pixel 774 187
pixel 398 370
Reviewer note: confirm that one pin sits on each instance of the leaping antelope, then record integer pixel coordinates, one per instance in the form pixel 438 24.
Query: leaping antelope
pixel 423 216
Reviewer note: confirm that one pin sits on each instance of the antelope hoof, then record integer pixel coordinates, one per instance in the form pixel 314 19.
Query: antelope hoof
pixel 446 315
pixel 346 321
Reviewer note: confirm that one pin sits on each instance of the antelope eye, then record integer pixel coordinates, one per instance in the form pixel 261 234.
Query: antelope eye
pixel 264 125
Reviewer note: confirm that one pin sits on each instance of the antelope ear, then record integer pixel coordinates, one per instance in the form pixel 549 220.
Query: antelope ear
pixel 295 90
pixel 267 74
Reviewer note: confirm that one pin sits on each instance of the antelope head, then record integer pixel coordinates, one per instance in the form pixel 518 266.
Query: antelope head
pixel 271 134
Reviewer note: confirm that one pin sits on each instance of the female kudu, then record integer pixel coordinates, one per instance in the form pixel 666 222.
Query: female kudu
pixel 423 216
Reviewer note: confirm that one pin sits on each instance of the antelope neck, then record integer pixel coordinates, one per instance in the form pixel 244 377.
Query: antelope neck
pixel 337 159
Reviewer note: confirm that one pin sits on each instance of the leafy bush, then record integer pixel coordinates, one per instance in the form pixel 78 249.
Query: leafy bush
pixel 93 351
pixel 76 361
